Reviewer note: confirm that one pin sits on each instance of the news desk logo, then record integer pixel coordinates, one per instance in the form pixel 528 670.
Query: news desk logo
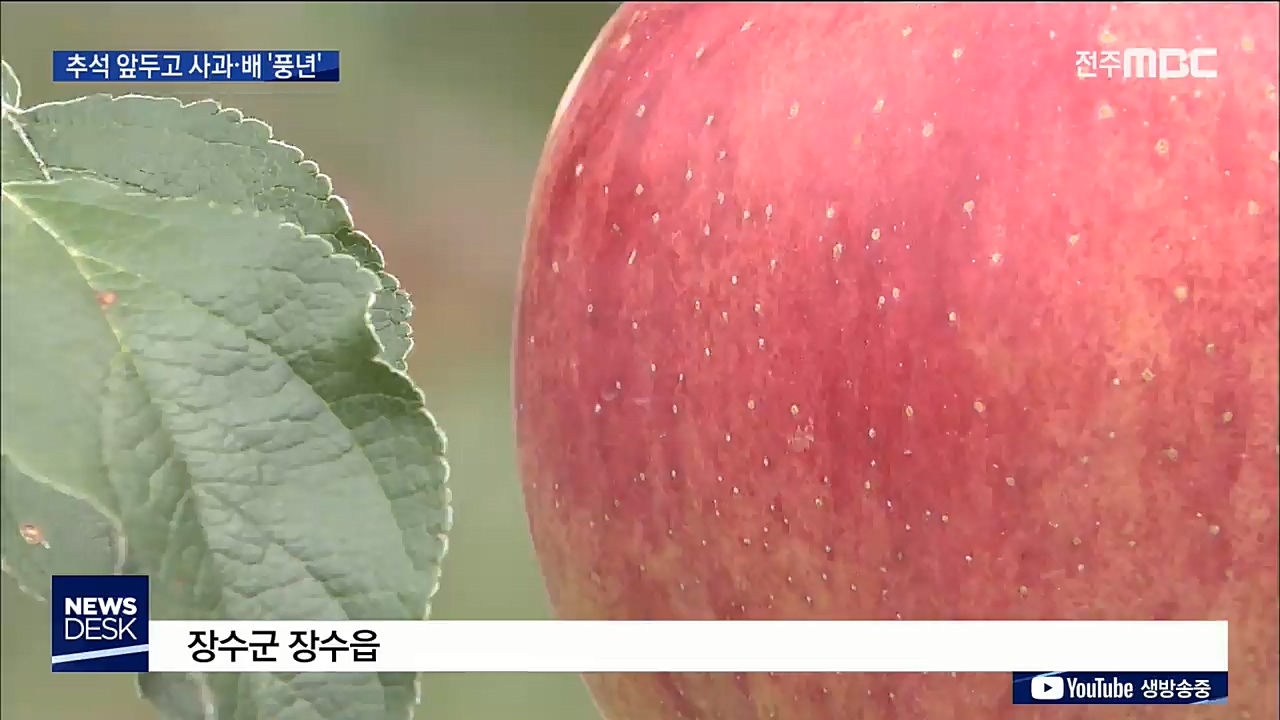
pixel 1143 63
pixel 100 623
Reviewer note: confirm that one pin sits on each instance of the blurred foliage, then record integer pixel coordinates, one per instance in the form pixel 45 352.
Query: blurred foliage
pixel 433 136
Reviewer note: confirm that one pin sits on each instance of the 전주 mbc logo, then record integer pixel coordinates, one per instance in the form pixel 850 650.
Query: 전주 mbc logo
pixel 1143 63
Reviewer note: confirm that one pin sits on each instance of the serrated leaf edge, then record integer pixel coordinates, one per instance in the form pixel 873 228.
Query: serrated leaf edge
pixel 238 117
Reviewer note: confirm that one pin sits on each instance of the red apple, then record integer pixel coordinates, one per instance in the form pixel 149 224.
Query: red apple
pixel 872 311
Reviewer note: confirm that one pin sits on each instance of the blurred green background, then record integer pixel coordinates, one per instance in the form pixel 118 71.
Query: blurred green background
pixel 433 137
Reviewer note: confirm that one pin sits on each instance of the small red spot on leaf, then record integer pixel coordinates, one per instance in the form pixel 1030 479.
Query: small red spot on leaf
pixel 32 534
pixel 106 299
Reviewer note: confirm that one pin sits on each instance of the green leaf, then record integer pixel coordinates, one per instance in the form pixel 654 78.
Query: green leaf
pixel 18 160
pixel 205 376
pixel 178 696
pixel 45 532
pixel 10 88
pixel 202 150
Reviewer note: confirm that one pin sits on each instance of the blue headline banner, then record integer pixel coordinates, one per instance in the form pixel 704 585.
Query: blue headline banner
pixel 184 66
pixel 100 623
pixel 1125 688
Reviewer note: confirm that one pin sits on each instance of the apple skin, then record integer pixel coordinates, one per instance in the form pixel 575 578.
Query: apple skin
pixel 860 311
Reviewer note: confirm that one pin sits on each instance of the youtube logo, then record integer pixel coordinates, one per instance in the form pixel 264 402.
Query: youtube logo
pixel 1047 688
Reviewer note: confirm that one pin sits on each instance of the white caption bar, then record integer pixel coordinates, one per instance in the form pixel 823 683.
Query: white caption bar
pixel 726 646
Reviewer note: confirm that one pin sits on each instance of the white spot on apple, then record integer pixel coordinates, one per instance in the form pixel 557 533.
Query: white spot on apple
pixel 577 170
pixel 968 207
pixel 555 267
pixel 697 55
pixel 927 130
pixel 631 260
pixel 875 234
pixel 878 106
pixel 639 189
pixel 746 26
pixel 955 54
pixel 640 111
pixel 720 198
pixel 1073 239
pixel 1162 147
pixel 837 250
pixel 906 31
